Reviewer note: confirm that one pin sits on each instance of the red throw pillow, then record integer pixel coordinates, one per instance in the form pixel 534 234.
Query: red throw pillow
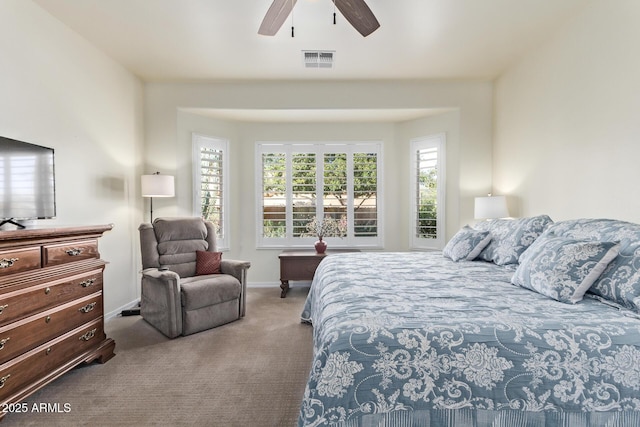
pixel 208 262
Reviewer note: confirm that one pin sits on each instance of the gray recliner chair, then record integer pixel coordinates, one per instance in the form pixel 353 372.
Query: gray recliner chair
pixel 174 299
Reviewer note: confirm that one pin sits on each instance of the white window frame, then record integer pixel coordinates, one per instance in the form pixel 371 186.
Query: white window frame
pixel 437 141
pixel 204 141
pixel 320 148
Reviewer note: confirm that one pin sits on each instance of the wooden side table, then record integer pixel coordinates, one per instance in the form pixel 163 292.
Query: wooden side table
pixel 301 265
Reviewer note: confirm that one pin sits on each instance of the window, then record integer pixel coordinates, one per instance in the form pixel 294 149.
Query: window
pixel 297 182
pixel 210 184
pixel 427 192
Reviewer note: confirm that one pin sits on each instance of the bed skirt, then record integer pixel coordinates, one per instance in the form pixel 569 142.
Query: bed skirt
pixel 489 418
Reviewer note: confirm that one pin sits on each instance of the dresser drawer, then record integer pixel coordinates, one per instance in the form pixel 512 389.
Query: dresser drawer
pixel 69 252
pixel 17 260
pixel 302 268
pixel 23 370
pixel 21 336
pixel 25 302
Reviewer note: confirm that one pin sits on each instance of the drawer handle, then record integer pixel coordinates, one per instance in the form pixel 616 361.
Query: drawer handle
pixel 88 335
pixel 8 262
pixel 4 380
pixel 87 283
pixel 74 251
pixel 47 291
pixel 87 308
pixel 2 307
pixel 3 342
pixel 48 351
pixel 47 319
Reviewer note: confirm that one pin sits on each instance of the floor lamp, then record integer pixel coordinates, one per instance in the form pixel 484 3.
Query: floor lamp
pixel 151 186
pixel 156 185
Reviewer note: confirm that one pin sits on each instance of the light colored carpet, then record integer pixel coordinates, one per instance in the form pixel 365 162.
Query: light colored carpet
pixel 247 373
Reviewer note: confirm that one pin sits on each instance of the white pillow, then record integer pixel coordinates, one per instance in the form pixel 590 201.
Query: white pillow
pixel 466 244
pixel 563 268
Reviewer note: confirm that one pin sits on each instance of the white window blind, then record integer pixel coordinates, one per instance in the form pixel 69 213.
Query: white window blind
pixel 210 184
pixel 274 187
pixel 365 189
pixel 303 191
pixel 427 192
pixel 297 182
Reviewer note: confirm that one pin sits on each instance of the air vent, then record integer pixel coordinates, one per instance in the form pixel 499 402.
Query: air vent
pixel 318 58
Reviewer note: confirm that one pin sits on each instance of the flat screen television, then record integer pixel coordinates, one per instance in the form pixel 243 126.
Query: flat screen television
pixel 27 182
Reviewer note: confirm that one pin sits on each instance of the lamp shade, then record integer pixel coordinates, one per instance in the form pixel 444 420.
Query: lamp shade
pixel 490 207
pixel 157 185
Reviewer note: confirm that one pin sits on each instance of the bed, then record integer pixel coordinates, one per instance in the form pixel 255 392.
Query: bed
pixel 490 339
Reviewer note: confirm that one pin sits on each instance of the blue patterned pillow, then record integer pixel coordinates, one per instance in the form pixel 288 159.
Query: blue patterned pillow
pixel 563 268
pixel 511 237
pixel 466 244
pixel 620 282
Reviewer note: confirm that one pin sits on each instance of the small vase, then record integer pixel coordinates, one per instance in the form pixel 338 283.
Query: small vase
pixel 321 246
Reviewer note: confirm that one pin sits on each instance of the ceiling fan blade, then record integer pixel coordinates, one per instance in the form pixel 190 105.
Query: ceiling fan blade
pixel 275 17
pixel 359 15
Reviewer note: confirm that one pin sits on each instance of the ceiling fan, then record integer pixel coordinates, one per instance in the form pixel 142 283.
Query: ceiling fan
pixel 355 11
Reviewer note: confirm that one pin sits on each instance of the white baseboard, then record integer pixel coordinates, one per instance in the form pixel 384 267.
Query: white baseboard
pixel 262 284
pixel 117 311
pixel 292 284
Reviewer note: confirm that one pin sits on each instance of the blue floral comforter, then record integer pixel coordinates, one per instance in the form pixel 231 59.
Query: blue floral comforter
pixel 414 339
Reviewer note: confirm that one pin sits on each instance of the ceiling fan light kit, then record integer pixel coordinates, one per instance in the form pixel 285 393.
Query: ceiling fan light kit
pixel 356 12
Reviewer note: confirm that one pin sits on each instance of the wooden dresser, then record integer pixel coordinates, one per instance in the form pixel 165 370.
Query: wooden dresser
pixel 51 306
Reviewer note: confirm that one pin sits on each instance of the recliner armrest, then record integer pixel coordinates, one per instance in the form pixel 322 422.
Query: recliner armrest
pixel 237 269
pixel 156 273
pixel 234 267
pixel 161 301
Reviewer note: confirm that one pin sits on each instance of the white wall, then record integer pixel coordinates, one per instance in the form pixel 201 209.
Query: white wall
pixel 59 91
pixel 468 129
pixel 567 120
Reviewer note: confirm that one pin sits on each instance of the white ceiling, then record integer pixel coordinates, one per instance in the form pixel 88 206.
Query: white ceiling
pixel 214 40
